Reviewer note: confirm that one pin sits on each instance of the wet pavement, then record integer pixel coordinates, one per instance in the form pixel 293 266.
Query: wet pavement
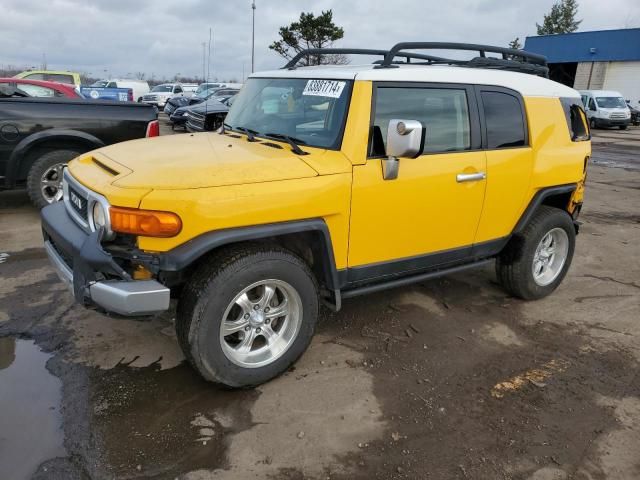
pixel 30 421
pixel 447 379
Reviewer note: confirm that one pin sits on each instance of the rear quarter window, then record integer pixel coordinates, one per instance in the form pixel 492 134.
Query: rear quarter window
pixel 576 119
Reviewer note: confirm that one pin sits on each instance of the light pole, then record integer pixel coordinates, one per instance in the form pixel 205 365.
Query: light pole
pixel 204 74
pixel 253 34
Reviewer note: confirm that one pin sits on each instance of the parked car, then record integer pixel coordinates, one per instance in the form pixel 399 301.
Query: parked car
pixel 38 88
pixel 216 86
pixel 160 94
pixel 189 88
pixel 139 88
pixel 311 192
pixel 635 113
pixel 606 108
pixel 175 107
pixel 206 116
pixel 71 78
pixel 39 136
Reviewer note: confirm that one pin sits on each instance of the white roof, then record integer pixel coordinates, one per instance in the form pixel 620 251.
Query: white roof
pixel 602 93
pixel 528 85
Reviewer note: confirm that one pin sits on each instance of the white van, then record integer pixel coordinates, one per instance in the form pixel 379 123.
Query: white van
pixel 139 87
pixel 606 108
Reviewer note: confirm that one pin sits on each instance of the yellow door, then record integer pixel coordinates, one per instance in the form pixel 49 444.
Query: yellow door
pixel 434 205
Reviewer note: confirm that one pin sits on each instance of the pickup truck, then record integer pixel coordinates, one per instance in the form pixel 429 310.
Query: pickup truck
pixel 104 93
pixel 39 136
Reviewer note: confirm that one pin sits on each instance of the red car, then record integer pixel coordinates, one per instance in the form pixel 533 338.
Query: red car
pixel 40 88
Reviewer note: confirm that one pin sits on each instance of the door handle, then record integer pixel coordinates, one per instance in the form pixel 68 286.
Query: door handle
pixel 470 177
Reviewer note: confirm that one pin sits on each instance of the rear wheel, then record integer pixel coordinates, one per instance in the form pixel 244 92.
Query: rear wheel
pixel 247 315
pixel 44 182
pixel 535 262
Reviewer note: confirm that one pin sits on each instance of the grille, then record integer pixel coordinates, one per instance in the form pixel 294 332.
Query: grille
pixel 620 116
pixel 149 97
pixel 78 203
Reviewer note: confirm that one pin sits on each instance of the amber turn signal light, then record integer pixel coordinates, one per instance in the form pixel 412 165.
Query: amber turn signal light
pixel 148 223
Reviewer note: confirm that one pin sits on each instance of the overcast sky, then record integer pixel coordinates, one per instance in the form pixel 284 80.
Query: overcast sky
pixel 117 38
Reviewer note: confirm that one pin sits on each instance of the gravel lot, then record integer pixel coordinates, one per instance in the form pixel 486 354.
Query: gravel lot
pixel 448 379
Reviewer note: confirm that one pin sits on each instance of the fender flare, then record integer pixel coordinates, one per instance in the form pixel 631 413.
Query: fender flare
pixel 538 200
pixel 23 147
pixel 184 255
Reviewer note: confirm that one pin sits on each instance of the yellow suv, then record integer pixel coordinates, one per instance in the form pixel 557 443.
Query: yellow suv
pixel 325 183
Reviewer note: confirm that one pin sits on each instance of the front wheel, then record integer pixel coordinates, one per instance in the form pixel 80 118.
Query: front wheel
pixel 592 123
pixel 623 127
pixel 247 315
pixel 536 260
pixel 44 182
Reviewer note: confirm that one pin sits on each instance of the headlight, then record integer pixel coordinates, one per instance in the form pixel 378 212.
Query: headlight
pixel 99 216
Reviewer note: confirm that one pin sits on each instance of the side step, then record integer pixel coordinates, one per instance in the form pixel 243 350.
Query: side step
pixel 399 282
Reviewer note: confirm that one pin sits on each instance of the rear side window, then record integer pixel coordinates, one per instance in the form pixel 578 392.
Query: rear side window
pixel 576 119
pixel 57 77
pixel 443 112
pixel 504 120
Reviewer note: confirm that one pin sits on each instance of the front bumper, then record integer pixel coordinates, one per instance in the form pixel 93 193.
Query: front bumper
pixel 91 273
pixel 616 122
pixel 160 103
pixel 178 119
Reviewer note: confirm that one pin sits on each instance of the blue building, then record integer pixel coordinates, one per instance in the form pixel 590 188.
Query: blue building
pixel 599 60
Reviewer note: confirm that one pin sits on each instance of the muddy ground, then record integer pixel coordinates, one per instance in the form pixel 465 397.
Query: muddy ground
pixel 448 379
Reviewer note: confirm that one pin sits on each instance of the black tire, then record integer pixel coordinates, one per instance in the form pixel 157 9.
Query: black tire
pixel 593 124
pixel 514 264
pixel 623 127
pixel 213 287
pixel 43 164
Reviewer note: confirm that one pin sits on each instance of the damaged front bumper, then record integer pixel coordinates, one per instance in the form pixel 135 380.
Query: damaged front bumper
pixel 91 273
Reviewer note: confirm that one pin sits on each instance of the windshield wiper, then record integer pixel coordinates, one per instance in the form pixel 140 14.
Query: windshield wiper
pixel 250 133
pixel 224 127
pixel 291 141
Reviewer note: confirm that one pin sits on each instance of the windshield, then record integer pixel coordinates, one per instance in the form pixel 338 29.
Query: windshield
pixel 203 87
pixel 100 83
pixel 205 93
pixel 162 88
pixel 611 102
pixel 310 111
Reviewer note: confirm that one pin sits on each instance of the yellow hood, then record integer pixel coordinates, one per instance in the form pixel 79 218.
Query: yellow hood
pixel 199 160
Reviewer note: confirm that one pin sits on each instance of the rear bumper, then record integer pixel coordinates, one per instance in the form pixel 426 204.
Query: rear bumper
pixel 91 273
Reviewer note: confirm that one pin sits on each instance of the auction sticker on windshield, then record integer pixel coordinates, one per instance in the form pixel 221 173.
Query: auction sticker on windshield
pixel 324 88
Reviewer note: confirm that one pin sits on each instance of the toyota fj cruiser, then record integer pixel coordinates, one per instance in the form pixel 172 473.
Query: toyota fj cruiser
pixel 325 183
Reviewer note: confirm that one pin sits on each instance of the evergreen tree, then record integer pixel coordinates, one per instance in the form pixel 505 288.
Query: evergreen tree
pixel 309 32
pixel 561 18
pixel 515 44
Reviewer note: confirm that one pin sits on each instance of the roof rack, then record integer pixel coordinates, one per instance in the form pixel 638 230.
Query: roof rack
pixel 511 59
pixel 291 65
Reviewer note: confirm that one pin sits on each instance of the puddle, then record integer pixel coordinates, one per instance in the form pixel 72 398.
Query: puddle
pixel 30 421
pixel 156 423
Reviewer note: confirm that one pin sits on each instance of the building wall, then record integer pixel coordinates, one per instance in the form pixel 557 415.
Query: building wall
pixel 590 75
pixel 624 77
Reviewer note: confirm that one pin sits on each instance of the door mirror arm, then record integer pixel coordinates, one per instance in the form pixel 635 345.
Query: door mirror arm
pixel 405 138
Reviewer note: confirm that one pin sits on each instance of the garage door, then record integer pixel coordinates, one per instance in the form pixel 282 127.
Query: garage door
pixel 624 77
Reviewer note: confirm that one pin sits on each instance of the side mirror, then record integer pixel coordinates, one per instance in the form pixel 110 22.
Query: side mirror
pixel 405 138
